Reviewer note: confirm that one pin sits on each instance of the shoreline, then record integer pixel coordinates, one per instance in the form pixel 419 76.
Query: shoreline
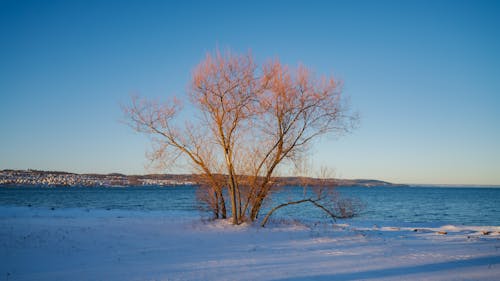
pixel 77 244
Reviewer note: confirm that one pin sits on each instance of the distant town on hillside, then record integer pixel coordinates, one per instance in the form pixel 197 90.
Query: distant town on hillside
pixel 57 178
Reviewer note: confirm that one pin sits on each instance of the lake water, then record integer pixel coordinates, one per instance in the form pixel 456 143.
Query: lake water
pixel 413 205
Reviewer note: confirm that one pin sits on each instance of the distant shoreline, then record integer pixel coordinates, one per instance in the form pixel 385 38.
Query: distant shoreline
pixel 40 178
pixel 59 178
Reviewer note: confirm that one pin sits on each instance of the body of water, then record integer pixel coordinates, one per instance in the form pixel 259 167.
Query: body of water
pixel 419 205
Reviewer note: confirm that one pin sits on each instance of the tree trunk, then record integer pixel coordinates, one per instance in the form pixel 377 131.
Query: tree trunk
pixel 255 209
pixel 234 208
pixel 233 188
pixel 222 204
pixel 257 204
pixel 215 207
pixel 238 198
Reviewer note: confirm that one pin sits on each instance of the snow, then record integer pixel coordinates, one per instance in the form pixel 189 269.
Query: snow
pixel 76 244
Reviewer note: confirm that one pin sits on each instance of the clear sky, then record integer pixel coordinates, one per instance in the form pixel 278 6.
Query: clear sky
pixel 424 75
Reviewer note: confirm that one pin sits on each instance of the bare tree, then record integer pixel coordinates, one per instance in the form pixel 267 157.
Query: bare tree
pixel 253 121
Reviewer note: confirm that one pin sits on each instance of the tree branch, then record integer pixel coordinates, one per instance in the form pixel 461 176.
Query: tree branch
pixel 314 202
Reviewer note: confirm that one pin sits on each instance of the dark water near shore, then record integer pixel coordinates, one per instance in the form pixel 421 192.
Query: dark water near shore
pixel 468 206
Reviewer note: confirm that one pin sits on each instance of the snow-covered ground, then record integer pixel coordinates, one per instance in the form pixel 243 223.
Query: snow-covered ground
pixel 37 244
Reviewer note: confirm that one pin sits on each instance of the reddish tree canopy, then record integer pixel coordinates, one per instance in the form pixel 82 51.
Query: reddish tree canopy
pixel 255 120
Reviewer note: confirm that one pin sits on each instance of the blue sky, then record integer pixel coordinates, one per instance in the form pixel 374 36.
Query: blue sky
pixel 424 76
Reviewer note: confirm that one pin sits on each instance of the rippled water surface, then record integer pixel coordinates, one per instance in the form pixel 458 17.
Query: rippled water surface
pixel 469 206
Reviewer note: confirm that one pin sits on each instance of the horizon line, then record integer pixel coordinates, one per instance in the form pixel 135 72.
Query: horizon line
pixel 471 185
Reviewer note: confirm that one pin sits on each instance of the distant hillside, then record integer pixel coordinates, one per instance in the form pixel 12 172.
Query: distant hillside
pixel 57 178
pixel 332 182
